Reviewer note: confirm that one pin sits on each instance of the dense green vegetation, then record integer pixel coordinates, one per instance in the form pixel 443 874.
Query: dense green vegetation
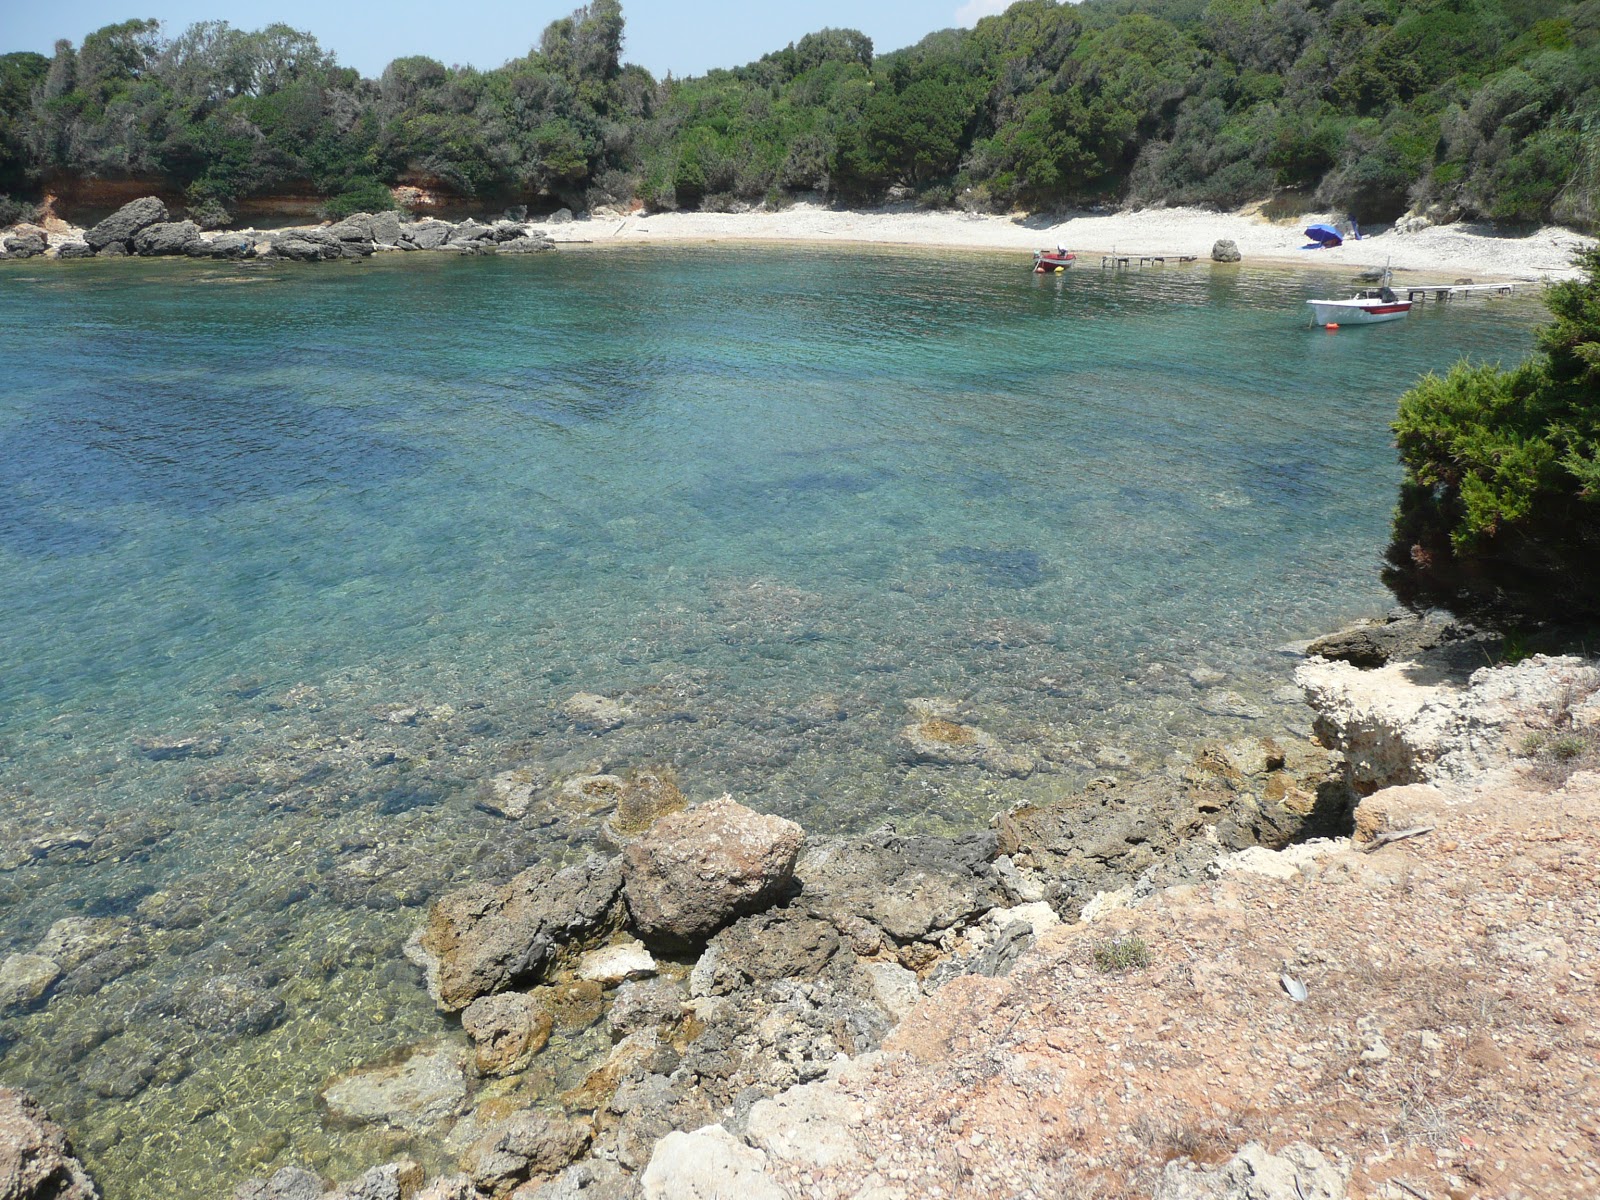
pixel 1486 108
pixel 1500 509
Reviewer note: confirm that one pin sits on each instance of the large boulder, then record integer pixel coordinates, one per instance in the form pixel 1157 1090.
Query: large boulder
pixel 75 250
pixel 484 939
pixel 122 225
pixel 506 1031
pixel 26 241
pixel 36 1159
pixel 526 1145
pixel 222 245
pixel 910 888
pixel 705 1165
pixel 166 238
pixel 355 228
pixel 1226 250
pixel 386 228
pixel 699 870
pixel 307 245
pixel 428 235
pixel 526 245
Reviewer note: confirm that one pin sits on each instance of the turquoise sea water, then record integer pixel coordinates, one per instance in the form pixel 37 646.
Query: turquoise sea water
pixel 365 527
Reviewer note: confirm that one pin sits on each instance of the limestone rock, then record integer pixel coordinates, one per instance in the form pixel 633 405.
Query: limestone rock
pixel 892 987
pixel 427 235
pixel 122 225
pixel 908 887
pixel 511 793
pixel 24 980
pixel 425 1090
pixel 506 1030
pixel 1299 1172
pixel 808 1128
pixel 945 742
pixel 357 227
pixel 486 939
pixel 1226 250
pixel 166 238
pixel 36 1159
pixel 595 714
pixel 287 1183
pixel 222 245
pixel 392 1181
pixel 528 1144
pixel 781 944
pixel 646 1004
pixel 708 1164
pixel 26 241
pixel 611 965
pixel 696 871
pixel 386 228
pixel 525 245
pixel 75 250
pixel 1394 730
pixel 307 245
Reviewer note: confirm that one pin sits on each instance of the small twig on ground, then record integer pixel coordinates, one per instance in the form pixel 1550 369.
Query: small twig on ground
pixel 1395 835
pixel 1417 1192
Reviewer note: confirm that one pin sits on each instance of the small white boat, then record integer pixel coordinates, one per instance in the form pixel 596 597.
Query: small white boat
pixel 1364 308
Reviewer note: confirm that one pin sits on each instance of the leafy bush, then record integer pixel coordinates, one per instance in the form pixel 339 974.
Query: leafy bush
pixel 210 214
pixel 362 195
pixel 14 212
pixel 1499 512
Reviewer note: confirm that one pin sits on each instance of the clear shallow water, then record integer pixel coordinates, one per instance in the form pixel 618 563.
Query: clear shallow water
pixel 370 525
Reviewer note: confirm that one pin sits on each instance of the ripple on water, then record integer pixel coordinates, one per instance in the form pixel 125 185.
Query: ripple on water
pixel 365 532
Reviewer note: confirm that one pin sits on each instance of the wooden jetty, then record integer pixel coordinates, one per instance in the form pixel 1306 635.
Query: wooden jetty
pixel 1449 291
pixel 1126 262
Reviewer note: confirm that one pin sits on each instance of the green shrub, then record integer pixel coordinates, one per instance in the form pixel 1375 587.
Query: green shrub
pixel 360 195
pixel 1499 513
pixel 14 212
pixel 1118 955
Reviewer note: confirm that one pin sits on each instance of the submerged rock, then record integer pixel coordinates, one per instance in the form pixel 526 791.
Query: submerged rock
pixel 937 740
pixel 24 980
pixel 696 871
pixel 425 1090
pixel 36 1158
pixel 595 714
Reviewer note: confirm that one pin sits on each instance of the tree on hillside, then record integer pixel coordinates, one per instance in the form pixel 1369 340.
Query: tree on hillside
pixel 1499 513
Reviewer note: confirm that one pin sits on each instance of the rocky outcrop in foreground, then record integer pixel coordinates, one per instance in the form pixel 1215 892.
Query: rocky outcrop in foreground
pixel 144 228
pixel 36 1159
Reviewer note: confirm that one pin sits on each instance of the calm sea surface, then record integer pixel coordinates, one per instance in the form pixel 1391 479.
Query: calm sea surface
pixel 363 529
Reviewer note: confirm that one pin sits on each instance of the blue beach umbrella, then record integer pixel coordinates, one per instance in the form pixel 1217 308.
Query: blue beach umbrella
pixel 1325 235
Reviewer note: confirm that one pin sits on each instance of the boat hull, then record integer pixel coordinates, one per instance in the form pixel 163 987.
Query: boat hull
pixel 1044 262
pixel 1357 312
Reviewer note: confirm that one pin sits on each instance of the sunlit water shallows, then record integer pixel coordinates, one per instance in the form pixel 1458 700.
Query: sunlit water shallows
pixel 364 528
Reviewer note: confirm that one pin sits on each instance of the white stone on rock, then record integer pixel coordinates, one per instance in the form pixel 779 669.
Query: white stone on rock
pixel 893 988
pixel 809 1127
pixel 1038 916
pixel 611 965
pixel 708 1164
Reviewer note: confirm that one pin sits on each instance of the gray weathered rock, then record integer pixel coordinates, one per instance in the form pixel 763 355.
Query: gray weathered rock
pixel 113 250
pixel 357 227
pixel 525 245
pixel 386 228
pixel 908 887
pixel 222 245
pixel 524 1146
pixel 611 965
pixel 696 871
pixel 781 944
pixel 427 235
pixel 561 216
pixel 26 241
pixel 470 231
pixel 75 250
pixel 1298 1172
pixel 397 1180
pixel 425 1090
pixel 486 939
pixel 287 1183
pixel 708 1164
pixel 646 1004
pixel 166 238
pixel 122 225
pixel 306 245
pixel 1226 250
pixel 36 1158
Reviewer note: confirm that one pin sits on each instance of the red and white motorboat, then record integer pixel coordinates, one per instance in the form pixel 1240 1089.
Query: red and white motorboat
pixel 1046 261
pixel 1364 308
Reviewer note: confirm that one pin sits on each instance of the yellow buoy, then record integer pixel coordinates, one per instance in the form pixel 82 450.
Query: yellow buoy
pixel 1059 270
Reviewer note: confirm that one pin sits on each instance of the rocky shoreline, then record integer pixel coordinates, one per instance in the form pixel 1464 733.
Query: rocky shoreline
pixel 749 989
pixel 144 228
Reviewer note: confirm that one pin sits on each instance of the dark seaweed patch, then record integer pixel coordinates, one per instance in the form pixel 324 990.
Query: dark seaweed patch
pixel 999 568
